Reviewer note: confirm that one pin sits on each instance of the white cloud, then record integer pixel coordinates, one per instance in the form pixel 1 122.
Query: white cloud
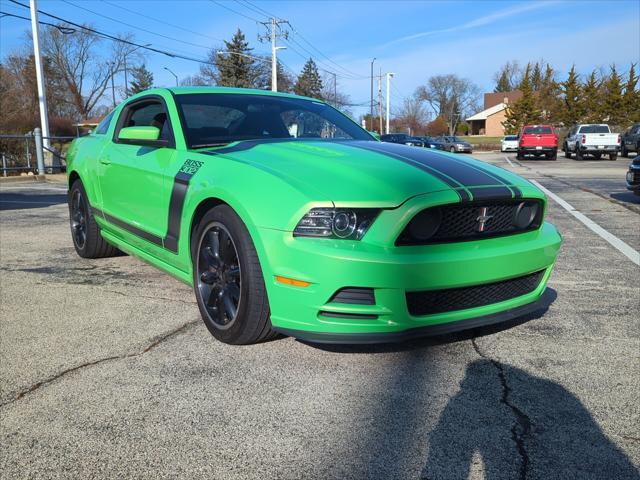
pixel 477 22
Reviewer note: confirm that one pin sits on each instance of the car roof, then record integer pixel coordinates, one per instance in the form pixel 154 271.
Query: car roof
pixel 223 90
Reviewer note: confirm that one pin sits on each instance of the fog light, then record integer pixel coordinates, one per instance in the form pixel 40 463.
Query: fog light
pixel 425 224
pixel 525 214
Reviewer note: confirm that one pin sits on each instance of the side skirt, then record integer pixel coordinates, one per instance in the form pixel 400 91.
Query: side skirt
pixel 147 258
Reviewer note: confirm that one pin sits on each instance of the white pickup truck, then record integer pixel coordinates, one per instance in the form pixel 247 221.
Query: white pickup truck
pixel 591 139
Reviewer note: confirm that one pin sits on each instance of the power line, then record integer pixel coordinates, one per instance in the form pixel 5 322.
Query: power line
pixel 234 11
pixel 136 27
pixel 254 7
pixel 118 39
pixel 59 27
pixel 163 22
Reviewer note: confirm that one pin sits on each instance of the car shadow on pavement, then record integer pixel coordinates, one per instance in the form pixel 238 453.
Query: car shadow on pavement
pixel 21 201
pixel 529 427
pixel 627 197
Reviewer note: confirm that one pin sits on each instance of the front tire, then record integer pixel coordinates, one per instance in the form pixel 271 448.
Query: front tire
pixel 567 152
pixel 85 232
pixel 452 150
pixel 228 280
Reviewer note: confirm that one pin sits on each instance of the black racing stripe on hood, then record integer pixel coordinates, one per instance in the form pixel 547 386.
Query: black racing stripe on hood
pixel 460 188
pixel 464 173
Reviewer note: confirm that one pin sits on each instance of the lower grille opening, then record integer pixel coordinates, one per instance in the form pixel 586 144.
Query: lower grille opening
pixel 448 300
pixel 354 295
pixel 350 316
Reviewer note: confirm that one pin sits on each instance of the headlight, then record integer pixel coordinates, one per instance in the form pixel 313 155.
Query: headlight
pixel 345 223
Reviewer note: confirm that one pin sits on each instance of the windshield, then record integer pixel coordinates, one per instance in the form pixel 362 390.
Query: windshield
pixel 457 139
pixel 594 129
pixel 511 137
pixel 213 119
pixel 537 130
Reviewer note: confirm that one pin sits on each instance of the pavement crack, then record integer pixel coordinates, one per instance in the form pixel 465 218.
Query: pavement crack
pixel 154 343
pixel 521 430
pixel 152 297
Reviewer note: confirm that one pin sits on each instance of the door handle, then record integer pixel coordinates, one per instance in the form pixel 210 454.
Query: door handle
pixel 105 162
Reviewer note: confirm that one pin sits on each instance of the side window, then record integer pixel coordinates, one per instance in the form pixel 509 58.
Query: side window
pixel 103 126
pixel 148 114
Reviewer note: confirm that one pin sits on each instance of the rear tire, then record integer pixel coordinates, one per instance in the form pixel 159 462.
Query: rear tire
pixel 613 157
pixel 623 151
pixel 597 156
pixel 519 155
pixel 578 153
pixel 227 279
pixel 85 232
pixel 552 156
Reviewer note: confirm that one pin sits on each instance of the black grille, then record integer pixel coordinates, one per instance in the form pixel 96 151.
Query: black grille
pixel 460 222
pixel 449 300
pixel 635 178
pixel 360 296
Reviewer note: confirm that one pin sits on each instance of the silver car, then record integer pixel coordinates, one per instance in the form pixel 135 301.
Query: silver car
pixel 454 144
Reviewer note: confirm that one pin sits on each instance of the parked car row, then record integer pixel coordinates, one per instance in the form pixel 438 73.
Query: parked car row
pixel 449 143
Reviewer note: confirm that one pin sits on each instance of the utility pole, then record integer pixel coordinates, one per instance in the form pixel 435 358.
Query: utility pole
pixel 335 88
pixel 380 99
pixel 113 87
pixel 42 93
pixel 274 31
pixel 389 75
pixel 371 110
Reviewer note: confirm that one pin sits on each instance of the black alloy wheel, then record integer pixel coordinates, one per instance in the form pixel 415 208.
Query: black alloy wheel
pixel 78 219
pixel 219 276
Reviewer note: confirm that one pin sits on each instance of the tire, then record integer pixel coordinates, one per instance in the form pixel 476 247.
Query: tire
pixel 613 157
pixel 567 153
pixel 552 156
pixel 597 156
pixel 519 155
pixel 452 150
pixel 85 232
pixel 227 279
pixel 623 150
pixel 578 153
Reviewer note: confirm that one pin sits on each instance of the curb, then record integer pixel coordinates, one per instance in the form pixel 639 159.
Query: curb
pixel 24 178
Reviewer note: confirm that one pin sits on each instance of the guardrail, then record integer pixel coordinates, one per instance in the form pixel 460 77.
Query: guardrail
pixel 17 153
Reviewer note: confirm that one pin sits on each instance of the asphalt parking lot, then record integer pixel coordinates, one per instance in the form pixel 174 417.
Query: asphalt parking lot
pixel 107 371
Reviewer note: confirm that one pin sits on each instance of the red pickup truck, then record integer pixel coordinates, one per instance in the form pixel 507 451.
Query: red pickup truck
pixel 538 140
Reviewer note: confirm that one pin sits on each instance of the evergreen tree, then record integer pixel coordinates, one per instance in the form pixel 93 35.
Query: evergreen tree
pixel 141 79
pixel 503 85
pixel 591 107
pixel 613 106
pixel 523 111
pixel 571 108
pixel 309 82
pixel 536 78
pixel 235 68
pixel 548 96
pixel 631 97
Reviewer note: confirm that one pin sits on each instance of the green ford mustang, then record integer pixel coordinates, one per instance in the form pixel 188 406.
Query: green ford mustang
pixel 286 216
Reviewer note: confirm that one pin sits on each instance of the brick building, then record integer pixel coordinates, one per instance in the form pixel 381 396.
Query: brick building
pixel 489 121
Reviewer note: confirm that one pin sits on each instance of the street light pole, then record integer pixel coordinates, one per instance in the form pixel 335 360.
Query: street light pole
pixel 389 75
pixel 172 73
pixel 371 109
pixel 42 93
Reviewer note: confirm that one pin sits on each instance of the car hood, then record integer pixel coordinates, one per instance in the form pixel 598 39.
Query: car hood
pixel 371 173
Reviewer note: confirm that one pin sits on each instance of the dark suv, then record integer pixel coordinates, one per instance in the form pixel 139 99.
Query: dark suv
pixel 402 138
pixel 630 141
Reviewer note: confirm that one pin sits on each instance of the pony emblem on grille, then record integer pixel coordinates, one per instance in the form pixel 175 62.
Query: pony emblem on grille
pixel 483 218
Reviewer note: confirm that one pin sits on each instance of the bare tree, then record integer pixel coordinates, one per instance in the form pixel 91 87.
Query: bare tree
pixel 412 115
pixel 84 65
pixel 450 97
pixel 509 76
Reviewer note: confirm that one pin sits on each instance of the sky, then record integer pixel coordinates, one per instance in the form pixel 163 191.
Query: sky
pixel 413 39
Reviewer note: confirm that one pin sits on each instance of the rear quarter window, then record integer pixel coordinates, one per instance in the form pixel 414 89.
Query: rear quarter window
pixel 103 126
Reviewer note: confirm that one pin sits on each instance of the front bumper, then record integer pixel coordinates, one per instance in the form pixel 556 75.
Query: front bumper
pixel 633 179
pixel 509 148
pixel 391 272
pixel 464 148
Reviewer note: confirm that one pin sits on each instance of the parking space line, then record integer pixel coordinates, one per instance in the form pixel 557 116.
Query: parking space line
pixel 509 161
pixel 621 246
